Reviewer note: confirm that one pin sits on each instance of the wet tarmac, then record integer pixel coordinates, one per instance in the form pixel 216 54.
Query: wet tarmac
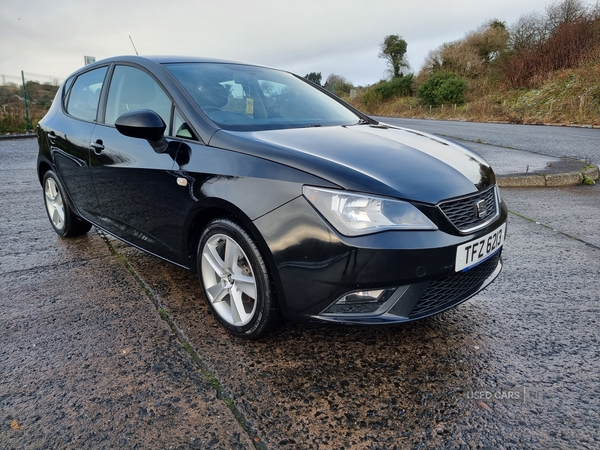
pixel 106 347
pixel 85 359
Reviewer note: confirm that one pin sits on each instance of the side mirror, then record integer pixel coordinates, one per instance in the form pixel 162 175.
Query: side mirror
pixel 144 124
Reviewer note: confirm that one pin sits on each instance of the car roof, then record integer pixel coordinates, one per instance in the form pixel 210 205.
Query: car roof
pixel 169 59
pixel 157 60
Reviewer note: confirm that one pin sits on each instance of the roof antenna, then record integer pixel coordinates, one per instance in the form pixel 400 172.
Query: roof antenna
pixel 133 45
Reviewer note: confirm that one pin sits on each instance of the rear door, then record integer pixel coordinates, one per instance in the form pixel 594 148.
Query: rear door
pixel 70 134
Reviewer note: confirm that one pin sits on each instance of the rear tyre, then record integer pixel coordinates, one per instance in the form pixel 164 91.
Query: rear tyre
pixel 235 280
pixel 64 221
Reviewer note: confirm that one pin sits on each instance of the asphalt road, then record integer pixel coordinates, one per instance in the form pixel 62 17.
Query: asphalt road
pixel 87 360
pixel 570 142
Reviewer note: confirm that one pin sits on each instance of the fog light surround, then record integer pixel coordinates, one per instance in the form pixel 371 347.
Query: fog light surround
pixel 364 302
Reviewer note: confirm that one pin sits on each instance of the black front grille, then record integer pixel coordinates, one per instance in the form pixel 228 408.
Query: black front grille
pixel 463 212
pixel 449 291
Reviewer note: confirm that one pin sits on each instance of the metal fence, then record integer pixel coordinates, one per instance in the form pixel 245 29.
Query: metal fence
pixel 6 80
pixel 25 99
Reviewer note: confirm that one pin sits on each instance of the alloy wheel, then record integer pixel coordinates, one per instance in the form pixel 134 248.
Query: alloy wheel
pixel 229 280
pixel 54 204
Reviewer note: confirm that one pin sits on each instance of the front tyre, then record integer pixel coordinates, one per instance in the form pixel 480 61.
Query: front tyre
pixel 64 221
pixel 235 280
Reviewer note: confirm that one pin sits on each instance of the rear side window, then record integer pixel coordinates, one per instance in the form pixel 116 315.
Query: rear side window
pixel 84 95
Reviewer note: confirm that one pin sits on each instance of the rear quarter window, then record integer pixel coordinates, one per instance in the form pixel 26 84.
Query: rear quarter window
pixel 84 96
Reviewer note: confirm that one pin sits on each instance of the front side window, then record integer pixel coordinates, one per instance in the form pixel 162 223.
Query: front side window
pixel 84 95
pixel 249 98
pixel 133 89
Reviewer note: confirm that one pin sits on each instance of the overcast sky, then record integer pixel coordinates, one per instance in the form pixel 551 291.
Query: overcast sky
pixel 328 36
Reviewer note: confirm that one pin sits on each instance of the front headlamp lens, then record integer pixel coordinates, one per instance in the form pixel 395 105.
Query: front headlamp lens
pixel 355 214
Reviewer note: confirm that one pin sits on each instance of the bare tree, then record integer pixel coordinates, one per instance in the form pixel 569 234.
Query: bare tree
pixel 594 10
pixel 566 11
pixel 530 30
pixel 338 84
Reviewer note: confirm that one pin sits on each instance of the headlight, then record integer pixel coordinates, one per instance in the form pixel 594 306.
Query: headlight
pixel 355 214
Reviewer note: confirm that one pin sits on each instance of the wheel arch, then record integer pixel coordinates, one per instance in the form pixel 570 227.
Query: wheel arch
pixel 222 209
pixel 43 167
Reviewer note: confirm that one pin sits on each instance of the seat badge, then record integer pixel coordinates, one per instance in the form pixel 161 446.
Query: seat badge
pixel 480 209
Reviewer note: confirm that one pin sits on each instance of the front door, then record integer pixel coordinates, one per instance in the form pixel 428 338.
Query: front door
pixel 136 186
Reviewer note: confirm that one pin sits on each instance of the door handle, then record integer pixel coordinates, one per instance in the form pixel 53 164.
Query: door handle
pixel 97 146
pixel 52 137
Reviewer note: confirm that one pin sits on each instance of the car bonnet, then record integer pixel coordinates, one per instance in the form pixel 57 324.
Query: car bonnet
pixel 375 159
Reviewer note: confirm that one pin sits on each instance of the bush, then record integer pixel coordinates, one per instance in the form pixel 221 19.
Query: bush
pixel 443 87
pixel 566 48
pixel 338 85
pixel 398 86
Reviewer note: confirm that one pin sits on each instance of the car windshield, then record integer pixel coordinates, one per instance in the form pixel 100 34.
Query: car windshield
pixel 240 97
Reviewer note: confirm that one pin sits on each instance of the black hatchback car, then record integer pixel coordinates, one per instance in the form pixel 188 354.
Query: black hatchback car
pixel 286 201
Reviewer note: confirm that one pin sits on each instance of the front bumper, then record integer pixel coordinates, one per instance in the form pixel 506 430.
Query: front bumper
pixel 419 300
pixel 314 267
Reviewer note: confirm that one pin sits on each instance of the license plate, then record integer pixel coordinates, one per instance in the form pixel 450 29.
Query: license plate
pixel 473 252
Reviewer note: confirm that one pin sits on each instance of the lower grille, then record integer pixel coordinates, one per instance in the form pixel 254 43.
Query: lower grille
pixel 446 292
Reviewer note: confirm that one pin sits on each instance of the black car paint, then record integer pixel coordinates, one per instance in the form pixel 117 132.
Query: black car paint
pixel 136 196
pixel 359 158
pixel 323 265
